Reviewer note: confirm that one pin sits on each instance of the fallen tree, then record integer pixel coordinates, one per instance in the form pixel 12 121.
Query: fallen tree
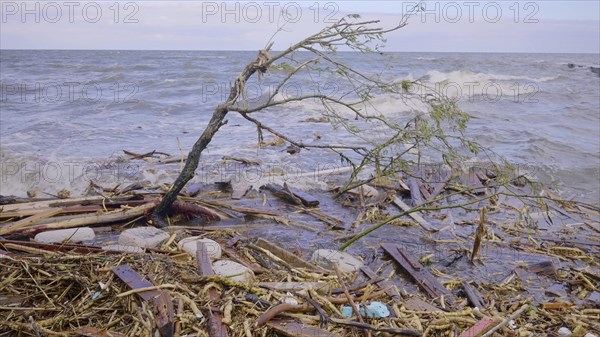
pixel 437 119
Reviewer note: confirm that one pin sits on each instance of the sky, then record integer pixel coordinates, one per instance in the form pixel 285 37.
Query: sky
pixel 443 26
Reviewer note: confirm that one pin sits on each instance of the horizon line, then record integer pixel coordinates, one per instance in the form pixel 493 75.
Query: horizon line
pixel 341 51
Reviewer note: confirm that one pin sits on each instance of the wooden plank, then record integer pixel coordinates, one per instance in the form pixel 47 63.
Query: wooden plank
pixel 415 215
pixel 293 259
pixel 384 284
pixel 28 221
pixel 415 191
pixel 331 222
pixel 425 191
pixel 216 328
pixel 239 259
pixel 417 304
pixel 295 329
pixel 70 221
pixel 135 281
pixel 49 203
pixel 473 295
pixel 203 262
pixel 320 287
pixel 480 328
pixel 292 195
pixel 471 181
pixel 439 186
pixel 34 211
pixel 164 313
pixel 161 301
pixel 57 247
pixel 427 282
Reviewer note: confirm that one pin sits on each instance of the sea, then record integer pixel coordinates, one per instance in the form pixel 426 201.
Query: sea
pixel 67 115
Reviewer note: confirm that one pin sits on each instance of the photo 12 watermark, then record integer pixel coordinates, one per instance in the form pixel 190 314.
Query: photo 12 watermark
pixel 68 11
pixel 269 12
pixel 68 92
pixel 473 11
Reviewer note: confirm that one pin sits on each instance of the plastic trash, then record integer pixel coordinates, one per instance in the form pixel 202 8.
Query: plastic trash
pixel 374 310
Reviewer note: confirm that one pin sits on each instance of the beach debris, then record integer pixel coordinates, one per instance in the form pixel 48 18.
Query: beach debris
pixel 144 237
pixel 415 191
pixel 321 287
pixel 190 245
pixel 327 258
pixel 545 268
pixel 480 232
pixel 195 188
pixel 216 324
pixel 292 195
pixel 264 285
pixel 233 270
pixel 365 190
pixel 390 289
pixel 124 249
pixel 374 309
pixel 239 189
pixel 419 274
pixel 481 327
pixel 564 331
pixel 473 295
pixel 288 257
pixel 73 235
pixel 417 304
pixel 235 256
pixel 244 161
pixel 294 329
pixel 413 214
pixel 160 299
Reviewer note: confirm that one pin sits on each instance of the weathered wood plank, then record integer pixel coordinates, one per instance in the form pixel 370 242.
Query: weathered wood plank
pixel 216 328
pixel 293 259
pixel 294 329
pixel 292 195
pixel 415 215
pixel 29 221
pixel 136 281
pixel 473 295
pixel 34 211
pixel 391 291
pixel 160 300
pixel 415 191
pixel 427 282
pixel 70 221
pixel 320 287
pixel 480 327
pixel 239 259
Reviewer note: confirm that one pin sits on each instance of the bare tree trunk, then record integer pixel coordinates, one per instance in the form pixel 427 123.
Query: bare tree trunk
pixel 191 164
pixel 215 123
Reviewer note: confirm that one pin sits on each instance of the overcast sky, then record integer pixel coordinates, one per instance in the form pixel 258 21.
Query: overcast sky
pixel 455 26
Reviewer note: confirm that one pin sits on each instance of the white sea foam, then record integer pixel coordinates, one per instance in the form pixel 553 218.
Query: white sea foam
pixel 462 76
